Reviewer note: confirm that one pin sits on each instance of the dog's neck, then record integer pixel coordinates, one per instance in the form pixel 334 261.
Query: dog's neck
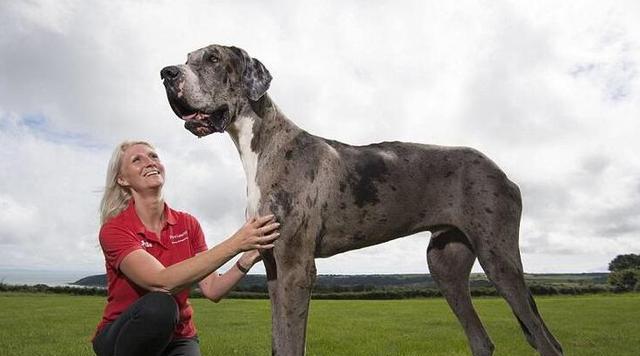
pixel 261 128
pixel 258 131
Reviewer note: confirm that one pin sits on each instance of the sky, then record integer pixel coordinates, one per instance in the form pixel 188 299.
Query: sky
pixel 550 91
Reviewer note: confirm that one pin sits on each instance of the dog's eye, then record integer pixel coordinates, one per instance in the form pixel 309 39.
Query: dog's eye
pixel 214 59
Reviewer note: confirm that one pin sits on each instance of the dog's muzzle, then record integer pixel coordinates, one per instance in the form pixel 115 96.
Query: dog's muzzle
pixel 198 122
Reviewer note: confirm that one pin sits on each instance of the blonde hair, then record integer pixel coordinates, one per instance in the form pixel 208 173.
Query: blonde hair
pixel 116 197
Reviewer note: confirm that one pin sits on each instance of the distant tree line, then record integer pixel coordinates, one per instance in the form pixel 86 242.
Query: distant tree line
pixel 343 287
pixel 43 288
pixel 341 293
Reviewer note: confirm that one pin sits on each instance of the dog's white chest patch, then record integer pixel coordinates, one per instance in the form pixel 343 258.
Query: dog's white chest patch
pixel 244 129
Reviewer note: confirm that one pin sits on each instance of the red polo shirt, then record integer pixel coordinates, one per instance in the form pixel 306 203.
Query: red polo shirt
pixel 180 239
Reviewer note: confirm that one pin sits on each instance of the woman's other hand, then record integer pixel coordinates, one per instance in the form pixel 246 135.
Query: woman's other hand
pixel 248 259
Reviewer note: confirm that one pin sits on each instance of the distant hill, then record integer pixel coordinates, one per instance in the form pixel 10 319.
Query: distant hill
pixel 97 280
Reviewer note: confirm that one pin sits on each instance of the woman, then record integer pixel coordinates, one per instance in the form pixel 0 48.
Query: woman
pixel 153 254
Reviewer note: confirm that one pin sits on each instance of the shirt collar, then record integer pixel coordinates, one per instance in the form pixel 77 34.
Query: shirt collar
pixel 170 215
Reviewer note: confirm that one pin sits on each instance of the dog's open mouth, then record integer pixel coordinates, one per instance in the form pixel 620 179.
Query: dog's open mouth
pixel 203 123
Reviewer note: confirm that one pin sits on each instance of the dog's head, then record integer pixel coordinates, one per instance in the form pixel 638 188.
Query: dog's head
pixel 209 89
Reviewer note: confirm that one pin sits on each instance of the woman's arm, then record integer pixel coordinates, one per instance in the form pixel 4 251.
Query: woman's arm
pixel 215 286
pixel 147 272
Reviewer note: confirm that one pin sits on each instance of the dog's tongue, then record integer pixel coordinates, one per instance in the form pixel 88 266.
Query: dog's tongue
pixel 197 116
pixel 189 117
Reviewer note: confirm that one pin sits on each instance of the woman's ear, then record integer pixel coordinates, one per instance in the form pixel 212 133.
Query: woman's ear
pixel 122 182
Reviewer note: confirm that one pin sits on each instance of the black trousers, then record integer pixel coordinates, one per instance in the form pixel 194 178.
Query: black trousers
pixel 145 329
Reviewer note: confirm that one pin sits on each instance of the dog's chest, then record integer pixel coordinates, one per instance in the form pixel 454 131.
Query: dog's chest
pixel 244 130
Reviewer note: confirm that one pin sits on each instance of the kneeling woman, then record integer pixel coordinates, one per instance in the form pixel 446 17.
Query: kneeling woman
pixel 153 254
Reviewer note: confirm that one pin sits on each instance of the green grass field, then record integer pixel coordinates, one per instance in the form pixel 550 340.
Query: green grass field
pixel 48 324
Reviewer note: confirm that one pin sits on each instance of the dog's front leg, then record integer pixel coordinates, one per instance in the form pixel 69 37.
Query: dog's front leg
pixel 290 294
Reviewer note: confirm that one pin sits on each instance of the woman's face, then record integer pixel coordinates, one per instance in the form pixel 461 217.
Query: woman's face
pixel 141 169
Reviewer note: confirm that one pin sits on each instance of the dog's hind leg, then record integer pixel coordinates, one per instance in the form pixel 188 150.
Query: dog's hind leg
pixel 450 258
pixel 497 251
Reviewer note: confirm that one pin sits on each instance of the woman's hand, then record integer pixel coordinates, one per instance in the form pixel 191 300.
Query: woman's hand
pixel 248 259
pixel 256 234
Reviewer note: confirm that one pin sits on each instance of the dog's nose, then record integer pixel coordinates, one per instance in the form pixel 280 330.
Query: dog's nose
pixel 170 72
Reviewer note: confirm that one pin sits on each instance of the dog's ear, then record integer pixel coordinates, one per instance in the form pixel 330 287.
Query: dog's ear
pixel 256 79
pixel 255 76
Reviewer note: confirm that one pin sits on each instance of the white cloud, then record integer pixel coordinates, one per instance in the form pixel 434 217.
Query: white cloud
pixel 547 90
pixel 16 219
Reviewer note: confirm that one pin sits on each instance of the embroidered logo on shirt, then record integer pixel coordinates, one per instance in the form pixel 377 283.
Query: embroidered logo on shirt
pixel 146 244
pixel 179 237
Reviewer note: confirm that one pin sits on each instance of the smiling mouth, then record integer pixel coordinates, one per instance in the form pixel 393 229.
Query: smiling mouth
pixel 151 173
pixel 204 123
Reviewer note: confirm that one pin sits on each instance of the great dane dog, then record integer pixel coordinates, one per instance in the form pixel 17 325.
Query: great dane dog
pixel 331 197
